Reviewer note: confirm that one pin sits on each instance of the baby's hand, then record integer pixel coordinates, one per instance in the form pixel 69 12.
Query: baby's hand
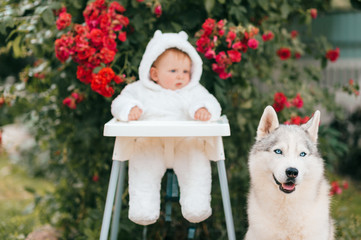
pixel 135 113
pixel 202 114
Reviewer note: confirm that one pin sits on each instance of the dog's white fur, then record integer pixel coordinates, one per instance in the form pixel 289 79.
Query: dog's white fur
pixel 302 213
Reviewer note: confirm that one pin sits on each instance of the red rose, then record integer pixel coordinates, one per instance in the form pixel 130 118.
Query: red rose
pixel 234 55
pixel 115 6
pixel 297 101
pixel 210 54
pixel 119 79
pixel 252 43
pixel 61 10
pixel 62 53
pixel 63 21
pixel 280 101
pixel 204 44
pixel 109 43
pixel 335 188
pixel 81 30
pixel 313 12
pixel 107 55
pixel 297 55
pixel 85 53
pixel 158 10
pixel 95 60
pixel 221 71
pixel 305 120
pixel 333 55
pixel 95 178
pixel 267 36
pixel 222 59
pixel 100 85
pixel 238 46
pixel 208 26
pixel 63 47
pixel 284 53
pixel 296 120
pixel 122 36
pixel 230 37
pixel 84 74
pixel 70 102
pixel 294 34
pixel 2 101
pixel 119 22
pixel 105 22
pixel 96 36
pixel 107 74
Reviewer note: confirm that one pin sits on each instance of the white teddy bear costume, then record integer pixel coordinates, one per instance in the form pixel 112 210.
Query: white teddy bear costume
pixel 148 162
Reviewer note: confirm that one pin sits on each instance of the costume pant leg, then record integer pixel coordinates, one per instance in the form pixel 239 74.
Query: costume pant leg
pixel 193 170
pixel 146 168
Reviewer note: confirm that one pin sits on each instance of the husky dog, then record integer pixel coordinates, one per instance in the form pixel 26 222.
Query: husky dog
pixel 289 195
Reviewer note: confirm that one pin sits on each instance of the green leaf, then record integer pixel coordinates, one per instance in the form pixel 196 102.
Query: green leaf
pixel 285 10
pixel 97 69
pixel 16 47
pixel 264 4
pixel 48 17
pixel 40 10
pixel 77 4
pixel 6 22
pixel 138 22
pixel 237 12
pixel 209 5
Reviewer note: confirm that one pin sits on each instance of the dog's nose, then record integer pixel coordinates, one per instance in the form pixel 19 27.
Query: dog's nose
pixel 292 172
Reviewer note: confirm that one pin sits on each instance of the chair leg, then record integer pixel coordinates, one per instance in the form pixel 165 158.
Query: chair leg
pixel 118 203
pixel 110 200
pixel 172 194
pixel 226 200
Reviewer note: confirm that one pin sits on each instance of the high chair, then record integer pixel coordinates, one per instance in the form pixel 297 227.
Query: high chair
pixel 127 132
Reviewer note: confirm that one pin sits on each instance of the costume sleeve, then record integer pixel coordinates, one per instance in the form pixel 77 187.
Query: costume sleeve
pixel 202 98
pixel 125 101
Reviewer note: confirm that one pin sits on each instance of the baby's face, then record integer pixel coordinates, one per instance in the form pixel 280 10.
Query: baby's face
pixel 172 71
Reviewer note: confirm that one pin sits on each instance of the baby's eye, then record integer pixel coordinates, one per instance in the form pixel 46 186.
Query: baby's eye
pixel 278 151
pixel 186 71
pixel 173 70
pixel 303 154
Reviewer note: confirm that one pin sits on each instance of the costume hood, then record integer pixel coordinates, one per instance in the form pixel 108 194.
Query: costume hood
pixel 161 42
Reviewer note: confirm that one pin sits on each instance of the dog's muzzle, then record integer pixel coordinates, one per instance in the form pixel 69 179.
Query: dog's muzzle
pixel 289 186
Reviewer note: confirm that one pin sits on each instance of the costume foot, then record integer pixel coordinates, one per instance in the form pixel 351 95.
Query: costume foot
pixel 142 219
pixel 196 210
pixel 143 212
pixel 139 216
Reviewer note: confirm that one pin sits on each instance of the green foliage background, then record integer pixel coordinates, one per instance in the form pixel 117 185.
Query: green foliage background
pixel 71 140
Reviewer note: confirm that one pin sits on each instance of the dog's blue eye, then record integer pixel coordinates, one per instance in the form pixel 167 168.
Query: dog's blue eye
pixel 303 154
pixel 278 151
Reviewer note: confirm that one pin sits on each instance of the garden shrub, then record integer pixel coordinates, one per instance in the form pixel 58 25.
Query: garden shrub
pixel 251 59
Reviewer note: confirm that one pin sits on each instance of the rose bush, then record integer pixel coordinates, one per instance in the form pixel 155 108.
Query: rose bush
pixel 251 53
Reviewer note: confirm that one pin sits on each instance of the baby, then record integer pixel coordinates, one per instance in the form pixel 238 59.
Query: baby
pixel 168 89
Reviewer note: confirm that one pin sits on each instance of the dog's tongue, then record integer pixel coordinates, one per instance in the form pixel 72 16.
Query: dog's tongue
pixel 288 186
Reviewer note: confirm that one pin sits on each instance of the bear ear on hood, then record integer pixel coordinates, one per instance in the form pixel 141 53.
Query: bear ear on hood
pixel 183 35
pixel 157 34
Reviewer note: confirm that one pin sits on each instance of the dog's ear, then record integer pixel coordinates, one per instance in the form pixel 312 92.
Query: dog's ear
pixel 311 126
pixel 268 123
